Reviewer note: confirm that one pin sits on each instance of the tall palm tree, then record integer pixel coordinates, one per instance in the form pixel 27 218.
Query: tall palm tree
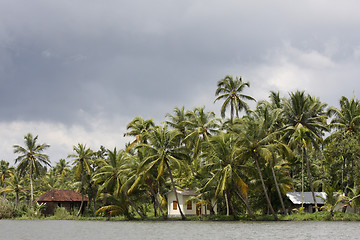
pixel 163 153
pixel 226 170
pixel 230 90
pixel 347 118
pixel 346 123
pixel 15 184
pixel 138 128
pixel 31 159
pixel 305 124
pixel 82 160
pixel 5 172
pixel 177 121
pixel 200 125
pixel 113 176
pixel 257 143
pixel 269 117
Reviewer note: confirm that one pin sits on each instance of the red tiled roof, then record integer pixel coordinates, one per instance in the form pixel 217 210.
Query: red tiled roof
pixel 61 195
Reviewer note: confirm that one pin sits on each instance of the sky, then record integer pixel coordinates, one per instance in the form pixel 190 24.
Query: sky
pixel 78 71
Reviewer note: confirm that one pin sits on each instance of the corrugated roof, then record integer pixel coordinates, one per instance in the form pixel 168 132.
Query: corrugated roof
pixel 296 197
pixel 61 195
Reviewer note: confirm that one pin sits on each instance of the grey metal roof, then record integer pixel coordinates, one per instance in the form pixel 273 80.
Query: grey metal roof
pixel 296 197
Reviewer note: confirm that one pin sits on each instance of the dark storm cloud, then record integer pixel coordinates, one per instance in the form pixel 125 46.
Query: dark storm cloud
pixel 97 64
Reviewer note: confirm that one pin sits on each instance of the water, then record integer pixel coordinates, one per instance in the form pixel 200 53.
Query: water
pixel 79 230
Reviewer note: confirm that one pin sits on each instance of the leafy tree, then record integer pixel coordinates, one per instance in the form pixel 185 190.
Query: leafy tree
pixel 82 160
pixel 225 168
pixel 16 184
pixel 31 159
pixel 5 172
pixel 113 176
pixel 139 128
pixel 164 153
pixel 305 124
pixel 200 125
pixel 229 90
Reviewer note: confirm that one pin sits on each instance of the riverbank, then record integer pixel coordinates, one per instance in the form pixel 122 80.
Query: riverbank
pixel 318 216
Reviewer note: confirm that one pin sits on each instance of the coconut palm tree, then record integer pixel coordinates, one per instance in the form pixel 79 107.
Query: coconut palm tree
pixel 229 90
pixel 200 125
pixel 113 175
pixel 5 172
pixel 269 117
pixel 138 128
pixel 347 118
pixel 163 153
pixel 305 124
pixel 31 159
pixel 225 169
pixel 15 184
pixel 82 160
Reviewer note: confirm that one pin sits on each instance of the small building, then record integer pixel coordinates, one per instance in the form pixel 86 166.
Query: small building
pixel 188 204
pixel 306 199
pixel 66 198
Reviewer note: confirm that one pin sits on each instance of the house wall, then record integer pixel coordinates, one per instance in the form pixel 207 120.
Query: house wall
pixel 50 207
pixel 196 210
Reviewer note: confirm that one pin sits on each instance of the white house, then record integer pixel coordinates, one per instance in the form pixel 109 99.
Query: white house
pixel 187 203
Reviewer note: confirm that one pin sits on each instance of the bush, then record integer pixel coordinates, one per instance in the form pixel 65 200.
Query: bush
pixel 6 209
pixel 62 213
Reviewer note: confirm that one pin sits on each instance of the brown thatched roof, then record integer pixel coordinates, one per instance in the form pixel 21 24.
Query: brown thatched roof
pixel 61 195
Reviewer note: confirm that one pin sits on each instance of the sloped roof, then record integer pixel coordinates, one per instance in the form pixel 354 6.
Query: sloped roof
pixel 296 197
pixel 61 195
pixel 186 192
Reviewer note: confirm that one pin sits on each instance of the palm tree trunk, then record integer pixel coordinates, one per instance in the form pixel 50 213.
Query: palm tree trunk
pixel 277 188
pixel 17 201
pixel 81 190
pixel 310 179
pixel 133 206
pixel 264 187
pixel 174 189
pixel 246 202
pixel 231 206
pixel 227 205
pixel 31 191
pixel 157 201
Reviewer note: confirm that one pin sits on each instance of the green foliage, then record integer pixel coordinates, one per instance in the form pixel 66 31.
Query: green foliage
pixel 6 209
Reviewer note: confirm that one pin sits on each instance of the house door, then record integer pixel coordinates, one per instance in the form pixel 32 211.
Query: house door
pixel 198 210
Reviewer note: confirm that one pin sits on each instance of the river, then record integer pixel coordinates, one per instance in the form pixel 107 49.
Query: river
pixel 172 230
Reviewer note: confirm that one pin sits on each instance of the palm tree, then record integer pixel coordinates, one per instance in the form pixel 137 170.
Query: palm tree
pixel 82 160
pixel 305 124
pixel 200 125
pixel 163 153
pixel 225 169
pixel 113 176
pixel 177 121
pixel 268 115
pixel 258 143
pixel 138 128
pixel 230 90
pixel 15 184
pixel 347 118
pixel 31 159
pixel 5 172
pixel 346 123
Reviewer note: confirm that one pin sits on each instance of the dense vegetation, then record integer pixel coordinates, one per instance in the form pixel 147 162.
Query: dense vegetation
pixel 245 162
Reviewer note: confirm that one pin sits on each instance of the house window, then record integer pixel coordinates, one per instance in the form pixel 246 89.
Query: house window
pixel 174 205
pixel 208 207
pixel 189 205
